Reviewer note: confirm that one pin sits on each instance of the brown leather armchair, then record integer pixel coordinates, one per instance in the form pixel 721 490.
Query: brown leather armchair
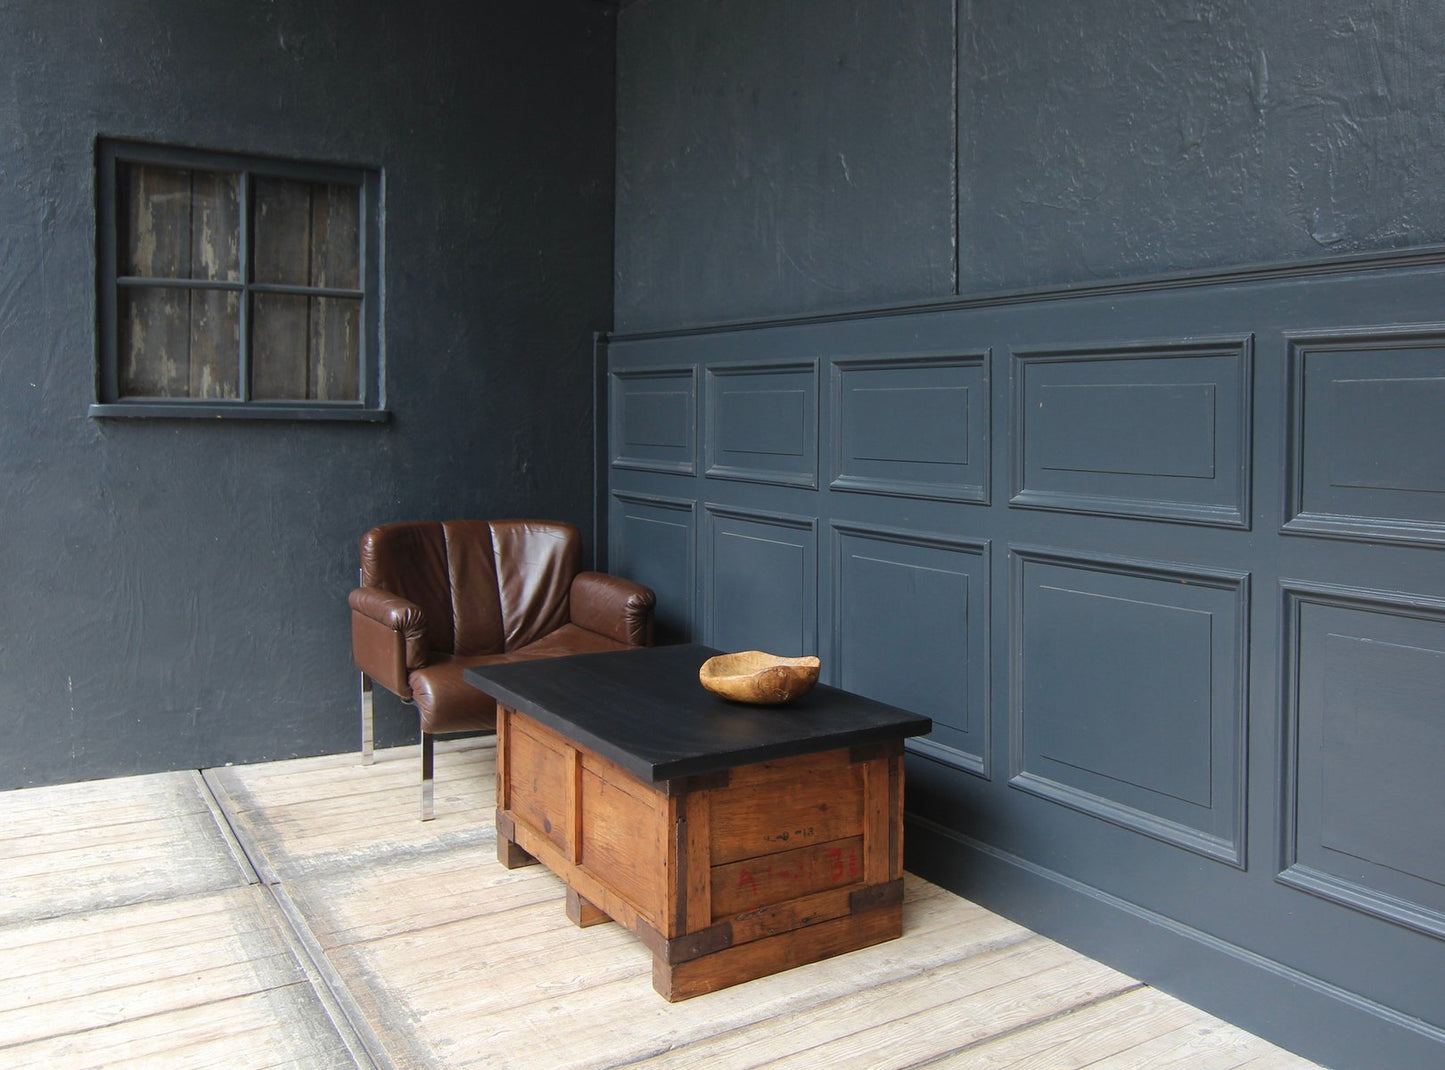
pixel 437 597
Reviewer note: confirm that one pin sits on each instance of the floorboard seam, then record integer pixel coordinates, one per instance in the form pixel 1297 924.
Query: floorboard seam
pixel 224 827
pixel 1024 1027
pixel 331 990
pixel 341 1006
pixel 245 843
pixel 988 947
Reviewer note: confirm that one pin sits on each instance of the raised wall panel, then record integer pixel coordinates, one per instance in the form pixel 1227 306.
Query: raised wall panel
pixel 1158 431
pixel 762 423
pixel 916 427
pixel 910 628
pixel 1128 694
pixel 1134 678
pixel 654 420
pixel 1367 436
pixel 1365 731
pixel 761 582
pixel 654 541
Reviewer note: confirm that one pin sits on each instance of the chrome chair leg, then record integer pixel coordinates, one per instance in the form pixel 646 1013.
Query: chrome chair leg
pixel 427 797
pixel 367 736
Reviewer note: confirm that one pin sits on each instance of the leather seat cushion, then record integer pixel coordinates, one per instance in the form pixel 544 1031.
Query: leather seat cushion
pixel 448 704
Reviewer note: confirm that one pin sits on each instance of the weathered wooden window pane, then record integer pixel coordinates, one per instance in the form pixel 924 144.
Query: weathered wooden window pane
pixel 334 350
pixel 178 224
pixel 215 344
pixel 305 348
pixel 227 283
pixel 278 336
pixel 155 329
pixel 307 234
pixel 179 343
pixel 216 225
pixel 283 231
pixel 335 237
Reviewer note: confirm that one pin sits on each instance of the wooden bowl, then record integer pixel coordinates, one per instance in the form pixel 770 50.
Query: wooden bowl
pixel 760 679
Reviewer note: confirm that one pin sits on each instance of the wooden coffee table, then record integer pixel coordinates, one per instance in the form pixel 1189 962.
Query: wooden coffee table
pixel 735 841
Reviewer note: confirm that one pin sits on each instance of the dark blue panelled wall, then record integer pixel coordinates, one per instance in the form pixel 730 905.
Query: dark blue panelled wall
pixel 1156 535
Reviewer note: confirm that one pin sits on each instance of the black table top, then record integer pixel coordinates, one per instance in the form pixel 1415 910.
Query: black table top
pixel 646 711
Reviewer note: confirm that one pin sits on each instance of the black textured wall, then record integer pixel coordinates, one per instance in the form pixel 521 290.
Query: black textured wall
pixel 1119 138
pixel 781 158
pixel 789 159
pixel 172 593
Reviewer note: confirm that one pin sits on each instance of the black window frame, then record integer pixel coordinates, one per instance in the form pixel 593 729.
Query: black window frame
pixel 370 406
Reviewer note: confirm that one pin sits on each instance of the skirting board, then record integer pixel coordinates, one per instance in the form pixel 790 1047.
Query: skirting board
pixel 1319 1021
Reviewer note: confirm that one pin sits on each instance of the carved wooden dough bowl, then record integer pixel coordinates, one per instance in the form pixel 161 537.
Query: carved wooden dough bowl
pixel 760 679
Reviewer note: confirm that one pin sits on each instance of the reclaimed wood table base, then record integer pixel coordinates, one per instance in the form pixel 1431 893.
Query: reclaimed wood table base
pixel 767 850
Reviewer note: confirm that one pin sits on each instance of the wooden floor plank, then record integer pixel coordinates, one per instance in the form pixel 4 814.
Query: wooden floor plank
pixel 915 1038
pixel 769 1032
pixel 259 1031
pixel 1200 1044
pixel 302 780
pixel 94 988
pixel 416 892
pixel 164 841
pixel 95 801
pixel 69 982
pixel 1078 1037
pixel 78 942
pixel 300 828
pixel 562 1016
pixel 393 800
pixel 78 848
pixel 130 937
pixel 1278 1059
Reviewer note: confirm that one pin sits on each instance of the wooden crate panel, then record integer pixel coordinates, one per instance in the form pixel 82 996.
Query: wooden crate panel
pixel 538 776
pixel 816 803
pixel 622 843
pixel 768 879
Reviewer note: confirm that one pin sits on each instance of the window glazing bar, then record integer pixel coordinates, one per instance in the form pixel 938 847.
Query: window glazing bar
pixel 247 268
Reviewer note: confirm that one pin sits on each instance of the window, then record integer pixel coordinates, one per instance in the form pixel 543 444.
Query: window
pixel 235 286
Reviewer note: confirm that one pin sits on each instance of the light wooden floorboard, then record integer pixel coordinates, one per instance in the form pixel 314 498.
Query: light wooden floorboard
pixel 106 843
pixel 340 814
pixel 132 935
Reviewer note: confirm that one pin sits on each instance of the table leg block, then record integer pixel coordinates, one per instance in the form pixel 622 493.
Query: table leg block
pixel 513 857
pixel 759 958
pixel 509 853
pixel 583 913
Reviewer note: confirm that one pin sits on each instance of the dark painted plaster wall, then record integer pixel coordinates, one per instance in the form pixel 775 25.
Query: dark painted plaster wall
pixel 1119 138
pixel 1096 141
pixel 780 158
pixel 172 593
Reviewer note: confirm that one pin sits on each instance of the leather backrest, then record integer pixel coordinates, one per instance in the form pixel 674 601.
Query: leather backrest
pixel 485 587
pixel 536 562
pixel 476 606
pixel 409 558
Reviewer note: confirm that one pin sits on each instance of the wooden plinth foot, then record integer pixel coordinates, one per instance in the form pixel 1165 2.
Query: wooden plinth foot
pixel 583 913
pixel 511 856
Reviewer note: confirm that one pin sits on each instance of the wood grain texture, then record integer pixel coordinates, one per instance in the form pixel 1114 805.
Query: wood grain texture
pixel 447 959
pixel 130 935
pixel 772 954
pixel 67 848
pixel 759 882
pixel 776 806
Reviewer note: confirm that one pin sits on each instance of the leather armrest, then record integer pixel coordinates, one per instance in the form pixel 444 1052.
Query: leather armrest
pixel 614 607
pixel 388 637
